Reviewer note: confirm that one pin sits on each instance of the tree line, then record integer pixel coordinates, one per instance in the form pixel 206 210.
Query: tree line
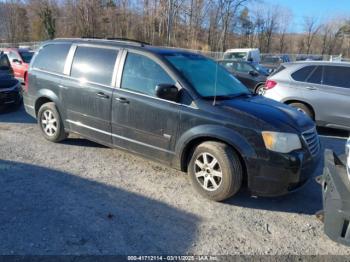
pixel 208 25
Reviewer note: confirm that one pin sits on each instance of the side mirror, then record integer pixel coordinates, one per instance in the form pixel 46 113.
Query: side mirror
pixel 16 61
pixel 167 92
pixel 253 73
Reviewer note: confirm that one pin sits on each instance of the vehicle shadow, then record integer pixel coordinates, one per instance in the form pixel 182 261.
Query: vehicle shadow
pixel 46 211
pixel 333 139
pixel 307 200
pixel 332 132
pixel 82 142
pixel 15 115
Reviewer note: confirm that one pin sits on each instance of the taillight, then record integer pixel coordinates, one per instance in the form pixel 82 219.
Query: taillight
pixel 26 82
pixel 270 84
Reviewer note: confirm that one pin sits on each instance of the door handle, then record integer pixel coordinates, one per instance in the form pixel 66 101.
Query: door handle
pixel 122 100
pixel 102 95
pixel 311 88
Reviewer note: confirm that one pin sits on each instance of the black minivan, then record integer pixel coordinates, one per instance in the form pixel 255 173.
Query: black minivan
pixel 173 106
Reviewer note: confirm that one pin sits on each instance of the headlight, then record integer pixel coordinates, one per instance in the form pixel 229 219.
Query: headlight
pixel 281 142
pixel 347 150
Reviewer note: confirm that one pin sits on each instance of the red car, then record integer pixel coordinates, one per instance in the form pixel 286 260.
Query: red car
pixel 19 59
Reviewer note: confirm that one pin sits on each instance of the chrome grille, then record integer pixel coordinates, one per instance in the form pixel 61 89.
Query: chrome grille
pixel 312 141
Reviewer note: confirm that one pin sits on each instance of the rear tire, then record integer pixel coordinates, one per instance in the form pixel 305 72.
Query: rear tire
pixel 304 109
pixel 50 123
pixel 215 171
pixel 259 90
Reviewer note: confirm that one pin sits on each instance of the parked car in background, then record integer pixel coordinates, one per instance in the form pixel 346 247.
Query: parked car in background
pixel 19 59
pixel 173 106
pixel 262 70
pixel 272 62
pixel 246 73
pixel 10 88
pixel 319 89
pixel 336 196
pixel 245 54
pixel 309 58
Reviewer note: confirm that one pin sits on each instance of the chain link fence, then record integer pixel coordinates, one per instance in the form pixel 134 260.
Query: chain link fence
pixel 31 45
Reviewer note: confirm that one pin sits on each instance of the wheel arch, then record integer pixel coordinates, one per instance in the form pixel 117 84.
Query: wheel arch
pixel 258 85
pixel 46 96
pixel 290 101
pixel 187 143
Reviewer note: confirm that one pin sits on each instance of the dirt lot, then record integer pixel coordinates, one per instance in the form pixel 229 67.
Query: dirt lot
pixel 78 197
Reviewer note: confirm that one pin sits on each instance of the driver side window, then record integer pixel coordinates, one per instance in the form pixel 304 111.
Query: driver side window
pixel 142 75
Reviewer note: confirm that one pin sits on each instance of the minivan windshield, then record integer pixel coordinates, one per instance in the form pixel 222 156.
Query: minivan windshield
pixel 206 76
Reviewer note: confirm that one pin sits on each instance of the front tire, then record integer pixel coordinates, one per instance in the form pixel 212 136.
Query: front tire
pixel 215 171
pixel 50 123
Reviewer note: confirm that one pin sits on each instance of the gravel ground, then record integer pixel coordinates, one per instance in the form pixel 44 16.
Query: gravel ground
pixel 78 197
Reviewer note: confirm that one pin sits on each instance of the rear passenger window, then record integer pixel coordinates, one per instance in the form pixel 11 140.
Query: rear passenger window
pixel 336 76
pixel 316 76
pixel 94 64
pixel 52 58
pixel 303 73
pixel 142 74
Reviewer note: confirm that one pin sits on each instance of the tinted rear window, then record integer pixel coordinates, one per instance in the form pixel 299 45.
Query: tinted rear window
pixel 303 73
pixel 279 69
pixel 52 57
pixel 316 76
pixel 336 76
pixel 94 64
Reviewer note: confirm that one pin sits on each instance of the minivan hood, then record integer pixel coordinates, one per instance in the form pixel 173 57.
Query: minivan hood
pixel 274 114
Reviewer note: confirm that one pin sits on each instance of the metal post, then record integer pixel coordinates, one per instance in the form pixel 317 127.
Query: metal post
pixel 170 13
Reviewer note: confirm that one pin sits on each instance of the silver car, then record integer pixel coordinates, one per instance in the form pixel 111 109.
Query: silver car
pixel 318 89
pixel 348 157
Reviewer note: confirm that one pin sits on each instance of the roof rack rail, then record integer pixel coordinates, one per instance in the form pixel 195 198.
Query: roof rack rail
pixel 117 39
pixel 128 40
pixel 120 40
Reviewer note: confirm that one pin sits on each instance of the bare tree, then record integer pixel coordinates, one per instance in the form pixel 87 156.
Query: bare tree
pixel 197 24
pixel 284 22
pixel 14 20
pixel 311 27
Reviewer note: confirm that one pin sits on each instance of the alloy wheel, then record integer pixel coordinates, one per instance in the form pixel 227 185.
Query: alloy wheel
pixel 208 172
pixel 261 90
pixel 49 123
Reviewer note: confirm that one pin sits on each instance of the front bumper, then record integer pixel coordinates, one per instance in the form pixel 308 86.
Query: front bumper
pixel 336 199
pixel 10 96
pixel 281 174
